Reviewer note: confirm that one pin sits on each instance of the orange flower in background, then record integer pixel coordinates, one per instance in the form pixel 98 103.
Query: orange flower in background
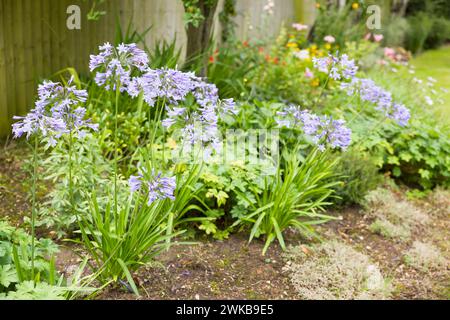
pixel 315 83
pixel 267 57
pixel 355 6
pixel 260 49
pixel 245 43
pixel 211 59
pixel 276 60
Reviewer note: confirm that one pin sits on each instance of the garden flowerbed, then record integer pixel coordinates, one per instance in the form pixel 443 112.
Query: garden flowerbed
pixel 235 269
pixel 312 165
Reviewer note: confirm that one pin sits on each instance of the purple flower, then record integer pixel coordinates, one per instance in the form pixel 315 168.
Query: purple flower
pixel 401 114
pixel 322 64
pixel 338 135
pixel 334 132
pixel 382 99
pixel 56 112
pixel 135 182
pixel 169 84
pixel 337 67
pixel 348 67
pixel 117 65
pixel 160 188
pixel 228 106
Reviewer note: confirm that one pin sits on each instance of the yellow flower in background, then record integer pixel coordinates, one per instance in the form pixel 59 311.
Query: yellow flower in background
pixel 328 46
pixel 315 83
pixel 313 49
pixel 355 6
pixel 292 45
pixel 171 143
pixel 317 5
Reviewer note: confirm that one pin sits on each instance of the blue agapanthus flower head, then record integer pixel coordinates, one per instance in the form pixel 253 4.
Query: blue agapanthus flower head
pixel 117 65
pixel 158 187
pixel 369 91
pixel 337 67
pixel 321 129
pixel 57 111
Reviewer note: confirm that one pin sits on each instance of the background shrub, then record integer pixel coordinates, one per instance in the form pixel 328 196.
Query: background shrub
pixel 359 175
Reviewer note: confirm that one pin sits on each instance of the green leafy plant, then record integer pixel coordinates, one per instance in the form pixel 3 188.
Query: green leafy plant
pixel 359 175
pixel 418 155
pixel 295 198
pixel 19 281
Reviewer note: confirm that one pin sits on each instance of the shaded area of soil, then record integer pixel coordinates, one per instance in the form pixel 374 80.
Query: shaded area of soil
pixel 229 269
pixel 13 188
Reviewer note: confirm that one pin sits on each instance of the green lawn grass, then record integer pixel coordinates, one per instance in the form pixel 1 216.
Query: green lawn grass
pixel 436 64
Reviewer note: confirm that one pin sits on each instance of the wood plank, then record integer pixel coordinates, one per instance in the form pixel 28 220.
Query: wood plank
pixel 5 120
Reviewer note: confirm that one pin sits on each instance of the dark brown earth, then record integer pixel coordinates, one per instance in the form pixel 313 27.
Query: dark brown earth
pixel 234 269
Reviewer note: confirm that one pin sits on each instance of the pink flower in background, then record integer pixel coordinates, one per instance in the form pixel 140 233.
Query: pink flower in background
pixel 269 7
pixel 308 73
pixel 299 26
pixel 367 36
pixel 329 39
pixel 389 52
pixel 378 37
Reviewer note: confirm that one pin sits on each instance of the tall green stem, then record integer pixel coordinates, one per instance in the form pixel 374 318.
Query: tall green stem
pixel 33 205
pixel 316 103
pixel 72 203
pixel 116 113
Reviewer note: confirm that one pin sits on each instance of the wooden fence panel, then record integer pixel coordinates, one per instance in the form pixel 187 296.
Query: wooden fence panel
pixel 35 42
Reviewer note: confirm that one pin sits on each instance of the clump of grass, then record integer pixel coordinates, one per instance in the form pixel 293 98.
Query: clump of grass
pixel 394 217
pixel 383 203
pixel 440 200
pixel 389 230
pixel 425 256
pixel 378 198
pixel 334 270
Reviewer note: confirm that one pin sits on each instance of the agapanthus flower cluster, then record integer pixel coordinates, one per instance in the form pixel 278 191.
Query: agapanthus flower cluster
pixel 338 67
pixel 57 111
pixel 158 187
pixel 169 84
pixel 370 92
pixel 321 129
pixel 200 126
pixel 117 65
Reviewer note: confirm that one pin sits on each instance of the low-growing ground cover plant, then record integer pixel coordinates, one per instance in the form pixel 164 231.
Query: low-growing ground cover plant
pixel 335 271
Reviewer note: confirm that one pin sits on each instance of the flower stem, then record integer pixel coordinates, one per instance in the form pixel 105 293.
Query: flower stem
pixel 72 203
pixel 116 112
pixel 33 205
